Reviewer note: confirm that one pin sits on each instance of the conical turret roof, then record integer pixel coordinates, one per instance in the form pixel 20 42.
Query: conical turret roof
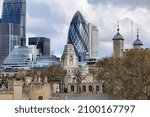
pixel 137 41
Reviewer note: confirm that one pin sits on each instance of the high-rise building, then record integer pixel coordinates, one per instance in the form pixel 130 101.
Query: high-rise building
pixel 9 37
pixel 14 11
pixel 84 37
pixel 42 43
pixel 78 36
pixel 12 26
pixel 93 46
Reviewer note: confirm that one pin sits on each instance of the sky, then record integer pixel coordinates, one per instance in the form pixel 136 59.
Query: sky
pixel 51 18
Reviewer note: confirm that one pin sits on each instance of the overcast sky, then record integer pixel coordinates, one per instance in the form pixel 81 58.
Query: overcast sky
pixel 51 18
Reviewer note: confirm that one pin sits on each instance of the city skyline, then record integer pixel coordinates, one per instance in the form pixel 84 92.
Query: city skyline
pixel 55 24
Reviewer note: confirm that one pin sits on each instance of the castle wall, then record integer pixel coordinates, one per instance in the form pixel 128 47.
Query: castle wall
pixel 6 96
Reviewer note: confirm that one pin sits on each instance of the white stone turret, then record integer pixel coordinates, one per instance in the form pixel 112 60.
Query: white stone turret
pixel 118 44
pixel 69 58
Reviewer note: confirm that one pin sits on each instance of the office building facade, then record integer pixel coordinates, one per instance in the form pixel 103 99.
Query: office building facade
pixel 9 37
pixel 93 46
pixel 14 11
pixel 21 57
pixel 12 26
pixel 42 43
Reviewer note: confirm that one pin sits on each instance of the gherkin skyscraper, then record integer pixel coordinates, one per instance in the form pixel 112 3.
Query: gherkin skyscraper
pixel 78 36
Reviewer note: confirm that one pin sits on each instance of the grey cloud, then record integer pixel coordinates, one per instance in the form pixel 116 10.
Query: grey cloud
pixel 129 3
pixel 52 17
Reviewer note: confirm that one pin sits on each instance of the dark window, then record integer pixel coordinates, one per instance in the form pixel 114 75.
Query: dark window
pixel 84 88
pixel 90 89
pixel 72 88
pixel 40 97
pixel 97 88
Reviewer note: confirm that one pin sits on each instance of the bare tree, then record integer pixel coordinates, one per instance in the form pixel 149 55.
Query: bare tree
pixel 128 76
pixel 79 78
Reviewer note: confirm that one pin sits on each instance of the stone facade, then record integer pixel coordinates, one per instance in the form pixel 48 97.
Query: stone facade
pixel 88 83
pixel 29 91
pixel 69 58
pixel 39 92
pixel 118 44
pixel 85 88
pixel 13 93
pixel 118 48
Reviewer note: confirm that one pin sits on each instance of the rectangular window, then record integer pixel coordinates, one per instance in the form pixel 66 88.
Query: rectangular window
pixel 40 97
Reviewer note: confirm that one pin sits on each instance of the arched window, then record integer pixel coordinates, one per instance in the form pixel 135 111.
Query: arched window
pixel 97 88
pixel 72 88
pixel 90 89
pixel 84 88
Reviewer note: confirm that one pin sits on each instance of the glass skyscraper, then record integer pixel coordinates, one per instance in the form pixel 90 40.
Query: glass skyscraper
pixel 84 37
pixel 12 26
pixel 78 36
pixel 14 11
pixel 9 37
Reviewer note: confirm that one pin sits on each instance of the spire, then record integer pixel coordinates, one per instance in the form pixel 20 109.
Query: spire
pixel 118 27
pixel 137 34
pixel 118 36
pixel 137 41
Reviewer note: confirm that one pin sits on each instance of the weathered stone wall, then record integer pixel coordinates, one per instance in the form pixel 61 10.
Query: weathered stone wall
pixel 6 96
pixel 40 90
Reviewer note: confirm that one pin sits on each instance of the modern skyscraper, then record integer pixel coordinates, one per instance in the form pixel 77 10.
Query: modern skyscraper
pixel 78 36
pixel 14 11
pixel 42 43
pixel 9 37
pixel 12 26
pixel 93 46
pixel 84 37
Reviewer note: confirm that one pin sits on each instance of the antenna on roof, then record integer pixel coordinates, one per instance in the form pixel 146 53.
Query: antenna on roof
pixel 118 27
pixel 131 31
pixel 137 33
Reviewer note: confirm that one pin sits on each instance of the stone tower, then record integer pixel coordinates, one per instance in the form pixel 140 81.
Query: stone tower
pixel 118 44
pixel 69 58
pixel 137 43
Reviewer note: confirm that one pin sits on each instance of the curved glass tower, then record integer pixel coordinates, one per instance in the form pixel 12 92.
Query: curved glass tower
pixel 78 35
